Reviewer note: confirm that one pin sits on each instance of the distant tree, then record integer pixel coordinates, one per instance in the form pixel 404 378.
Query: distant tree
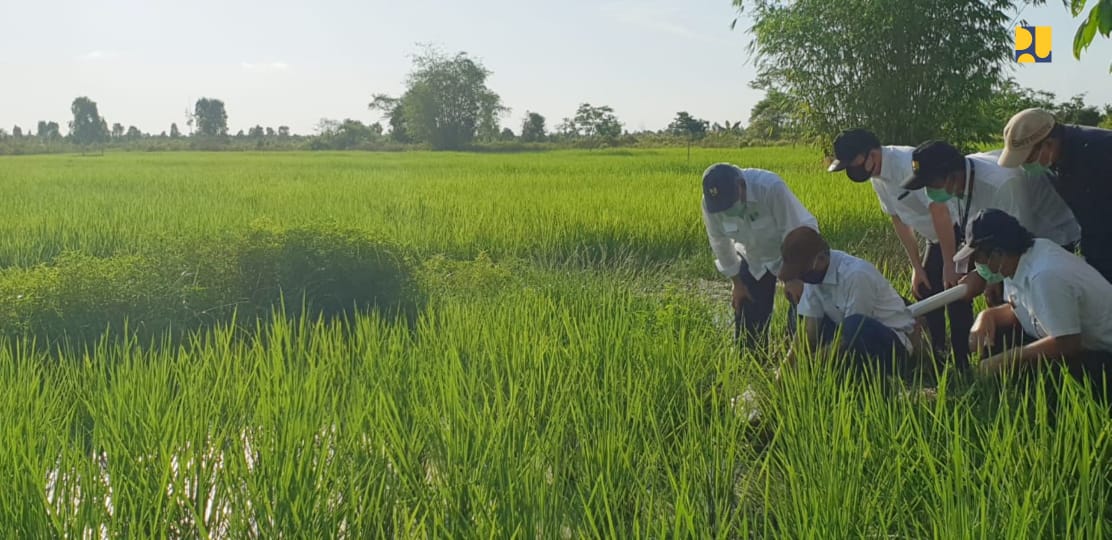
pixel 162 135
pixel 48 131
pixel 239 134
pixel 376 129
pixel 532 129
pixel 446 102
pixel 685 125
pixel 3 133
pixel 283 132
pixel 567 128
pixel 270 132
pixel 133 133
pixel 17 131
pixel 597 122
pixel 87 127
pixel 255 132
pixel 117 130
pixel 174 133
pixel 507 134
pixel 210 117
pixel 1075 111
pixel 774 117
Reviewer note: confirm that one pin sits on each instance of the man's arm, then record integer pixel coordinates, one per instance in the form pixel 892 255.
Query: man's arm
pixel 911 248
pixel 1033 354
pixel 725 253
pixel 944 227
pixel 810 336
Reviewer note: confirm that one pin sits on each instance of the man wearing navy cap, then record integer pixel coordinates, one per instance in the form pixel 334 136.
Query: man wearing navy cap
pixel 747 214
pixel 1058 306
pixel 1081 159
pixel 977 182
pixel 858 152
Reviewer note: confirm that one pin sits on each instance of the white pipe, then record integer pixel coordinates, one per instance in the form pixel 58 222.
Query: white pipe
pixel 937 301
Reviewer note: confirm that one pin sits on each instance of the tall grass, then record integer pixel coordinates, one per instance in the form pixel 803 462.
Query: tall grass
pixel 568 375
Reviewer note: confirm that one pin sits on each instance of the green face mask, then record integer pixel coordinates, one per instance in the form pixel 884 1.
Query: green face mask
pixel 737 210
pixel 938 195
pixel 989 276
pixel 1036 168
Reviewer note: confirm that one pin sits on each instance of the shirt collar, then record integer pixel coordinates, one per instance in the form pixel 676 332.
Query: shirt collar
pixel 831 277
pixel 888 165
pixel 1026 261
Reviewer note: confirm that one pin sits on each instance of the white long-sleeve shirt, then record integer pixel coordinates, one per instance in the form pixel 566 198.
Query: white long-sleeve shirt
pixel 771 212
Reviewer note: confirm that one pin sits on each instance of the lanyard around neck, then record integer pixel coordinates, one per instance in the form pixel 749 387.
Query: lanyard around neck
pixel 969 185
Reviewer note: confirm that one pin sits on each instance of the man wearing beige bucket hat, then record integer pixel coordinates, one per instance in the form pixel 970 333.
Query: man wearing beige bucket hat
pixel 1080 160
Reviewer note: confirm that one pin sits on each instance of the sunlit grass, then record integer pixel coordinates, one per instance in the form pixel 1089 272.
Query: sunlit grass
pixel 570 375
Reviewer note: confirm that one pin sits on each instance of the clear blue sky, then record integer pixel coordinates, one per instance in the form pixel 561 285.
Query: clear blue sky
pixel 281 62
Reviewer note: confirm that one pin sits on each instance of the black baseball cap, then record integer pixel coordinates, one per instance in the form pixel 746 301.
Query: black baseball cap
pixel 931 161
pixel 991 229
pixel 850 144
pixel 720 190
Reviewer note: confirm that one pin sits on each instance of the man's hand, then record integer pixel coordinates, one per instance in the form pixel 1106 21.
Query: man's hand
pixel 991 366
pixel 994 294
pixel 920 285
pixel 740 296
pixel 983 333
pixel 950 275
pixel 793 291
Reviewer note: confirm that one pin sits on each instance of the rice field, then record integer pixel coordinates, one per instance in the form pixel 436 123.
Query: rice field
pixel 427 345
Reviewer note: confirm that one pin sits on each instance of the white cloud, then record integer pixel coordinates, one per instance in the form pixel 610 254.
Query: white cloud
pixel 265 66
pixel 98 55
pixel 654 17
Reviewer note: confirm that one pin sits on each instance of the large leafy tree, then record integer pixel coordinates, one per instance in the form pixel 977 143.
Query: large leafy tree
pixel 446 102
pixel 210 117
pixel 908 69
pixel 685 125
pixel 87 126
pixel 532 128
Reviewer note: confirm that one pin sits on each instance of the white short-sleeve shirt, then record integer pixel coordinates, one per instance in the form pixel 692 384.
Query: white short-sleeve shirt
pixel 1056 293
pixel 853 286
pixel 771 212
pixel 1031 199
pixel 914 208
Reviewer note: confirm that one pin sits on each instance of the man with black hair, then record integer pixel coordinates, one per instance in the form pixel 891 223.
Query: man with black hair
pixel 1081 158
pixel 747 214
pixel 848 297
pixel 1058 306
pixel 858 152
pixel 978 183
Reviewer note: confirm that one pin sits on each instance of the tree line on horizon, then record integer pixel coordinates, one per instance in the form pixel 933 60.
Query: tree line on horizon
pixel 824 66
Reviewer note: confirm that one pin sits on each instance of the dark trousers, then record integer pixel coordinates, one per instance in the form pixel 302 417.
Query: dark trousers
pixel 757 312
pixel 867 344
pixel 1096 366
pixel 960 312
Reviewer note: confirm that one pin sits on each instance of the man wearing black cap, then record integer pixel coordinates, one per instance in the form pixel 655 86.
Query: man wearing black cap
pixel 747 213
pixel 977 182
pixel 1059 307
pixel 847 296
pixel 858 152
pixel 1081 158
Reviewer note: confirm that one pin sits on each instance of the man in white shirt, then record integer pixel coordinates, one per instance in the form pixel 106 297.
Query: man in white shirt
pixel 979 183
pixel 858 152
pixel 747 214
pixel 1058 306
pixel 848 297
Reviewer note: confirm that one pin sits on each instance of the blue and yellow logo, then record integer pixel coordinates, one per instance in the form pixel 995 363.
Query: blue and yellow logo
pixel 1032 44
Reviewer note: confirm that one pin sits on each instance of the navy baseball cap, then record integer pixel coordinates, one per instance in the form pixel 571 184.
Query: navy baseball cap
pixel 850 144
pixel 720 190
pixel 991 229
pixel 931 161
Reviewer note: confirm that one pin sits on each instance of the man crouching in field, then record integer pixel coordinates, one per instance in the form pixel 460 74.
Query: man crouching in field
pixel 847 296
pixel 1058 309
pixel 748 213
